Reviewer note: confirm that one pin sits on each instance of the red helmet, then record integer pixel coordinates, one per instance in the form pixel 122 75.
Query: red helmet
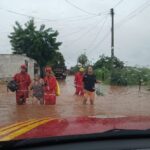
pixel 48 69
pixel 23 66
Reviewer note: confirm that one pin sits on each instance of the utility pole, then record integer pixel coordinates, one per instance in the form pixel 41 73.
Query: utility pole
pixel 112 32
pixel 112 43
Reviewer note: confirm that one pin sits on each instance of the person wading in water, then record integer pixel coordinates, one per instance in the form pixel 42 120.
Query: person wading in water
pixel 89 80
pixel 23 81
pixel 37 88
pixel 78 81
pixel 50 87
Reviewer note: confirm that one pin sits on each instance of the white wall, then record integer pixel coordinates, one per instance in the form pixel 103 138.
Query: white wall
pixel 10 65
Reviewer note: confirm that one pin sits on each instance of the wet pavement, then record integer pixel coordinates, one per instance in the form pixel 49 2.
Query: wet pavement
pixel 116 102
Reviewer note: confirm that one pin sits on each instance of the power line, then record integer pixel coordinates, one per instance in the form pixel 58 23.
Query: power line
pixel 72 17
pixel 134 13
pixel 79 30
pixel 120 1
pixel 98 33
pixel 75 6
pixel 128 17
pixel 29 16
pixel 81 19
pixel 85 33
pixel 140 10
pixel 49 20
pixel 73 27
pixel 13 12
pixel 141 6
pixel 72 20
pixel 102 40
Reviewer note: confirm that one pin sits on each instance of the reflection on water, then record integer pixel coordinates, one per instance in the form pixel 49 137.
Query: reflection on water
pixel 117 101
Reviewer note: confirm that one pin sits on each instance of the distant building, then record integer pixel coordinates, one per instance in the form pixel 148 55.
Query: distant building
pixel 10 64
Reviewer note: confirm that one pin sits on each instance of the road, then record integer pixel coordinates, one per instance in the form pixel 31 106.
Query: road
pixel 116 102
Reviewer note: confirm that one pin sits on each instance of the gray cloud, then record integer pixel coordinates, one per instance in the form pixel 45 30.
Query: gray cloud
pixel 78 29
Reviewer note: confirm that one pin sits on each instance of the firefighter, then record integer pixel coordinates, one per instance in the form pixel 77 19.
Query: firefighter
pixel 50 87
pixel 78 81
pixel 23 81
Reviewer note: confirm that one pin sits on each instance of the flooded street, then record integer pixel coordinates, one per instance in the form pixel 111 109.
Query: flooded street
pixel 116 102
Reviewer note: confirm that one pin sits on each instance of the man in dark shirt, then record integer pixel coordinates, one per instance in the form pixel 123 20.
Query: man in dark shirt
pixel 89 81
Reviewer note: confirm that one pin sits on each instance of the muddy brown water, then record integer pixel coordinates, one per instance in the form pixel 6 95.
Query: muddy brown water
pixel 117 101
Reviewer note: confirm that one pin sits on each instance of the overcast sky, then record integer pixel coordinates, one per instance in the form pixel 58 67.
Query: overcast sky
pixel 86 28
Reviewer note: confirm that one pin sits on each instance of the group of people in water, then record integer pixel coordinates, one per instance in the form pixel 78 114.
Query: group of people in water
pixel 44 90
pixel 85 84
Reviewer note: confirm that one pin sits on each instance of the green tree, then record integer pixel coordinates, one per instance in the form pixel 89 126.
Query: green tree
pixel 39 44
pixel 83 59
pixel 110 70
pixel 57 60
pixel 106 62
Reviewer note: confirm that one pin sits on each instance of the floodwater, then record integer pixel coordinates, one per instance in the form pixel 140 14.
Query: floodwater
pixel 116 102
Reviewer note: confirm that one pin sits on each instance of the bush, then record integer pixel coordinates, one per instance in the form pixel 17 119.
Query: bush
pixel 103 75
pixel 118 77
pixel 106 62
pixel 125 76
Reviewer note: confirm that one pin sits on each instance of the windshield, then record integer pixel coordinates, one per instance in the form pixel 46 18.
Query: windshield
pixel 70 67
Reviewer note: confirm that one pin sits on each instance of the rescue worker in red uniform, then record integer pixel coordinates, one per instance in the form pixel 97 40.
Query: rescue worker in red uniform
pixel 23 81
pixel 78 81
pixel 50 87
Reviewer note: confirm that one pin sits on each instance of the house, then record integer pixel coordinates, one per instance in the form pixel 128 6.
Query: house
pixel 10 64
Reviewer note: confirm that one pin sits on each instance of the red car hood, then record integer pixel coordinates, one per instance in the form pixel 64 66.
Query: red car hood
pixel 48 127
